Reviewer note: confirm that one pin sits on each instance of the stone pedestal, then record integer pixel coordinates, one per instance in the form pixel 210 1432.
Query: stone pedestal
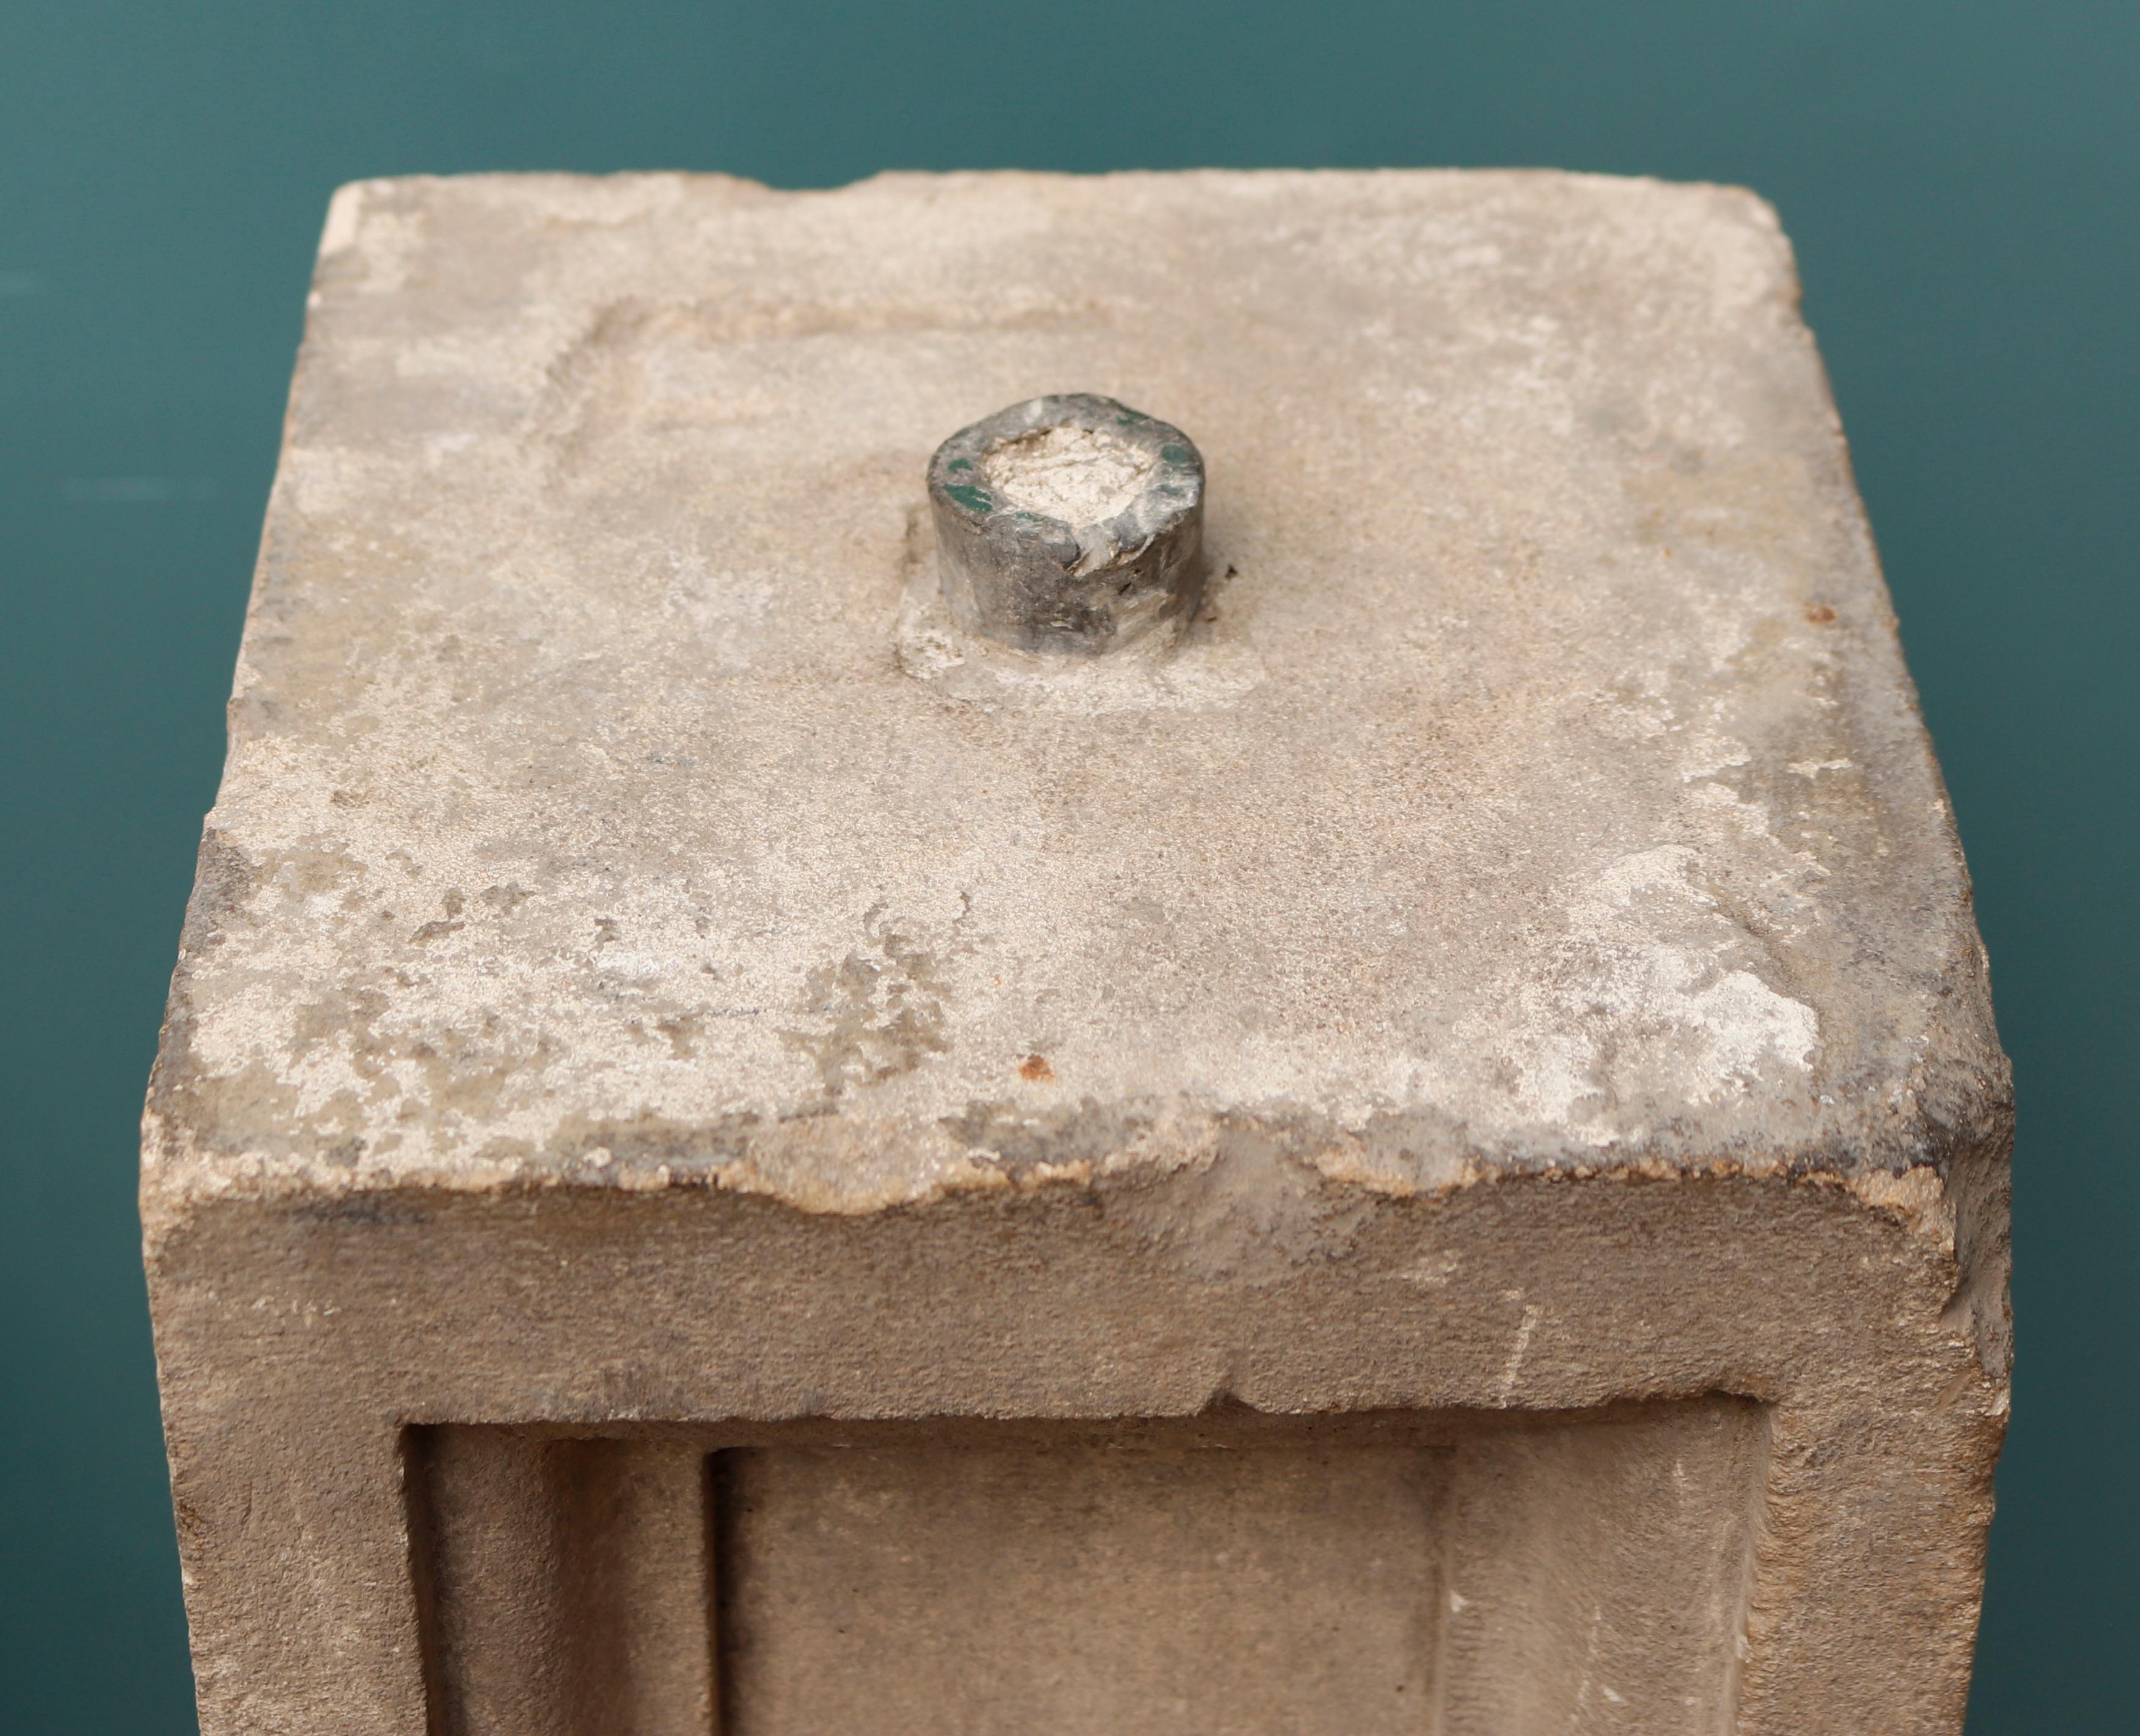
pixel 1426 1153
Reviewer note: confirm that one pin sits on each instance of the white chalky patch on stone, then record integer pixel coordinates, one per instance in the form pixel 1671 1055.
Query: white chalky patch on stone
pixel 1074 474
pixel 1618 1012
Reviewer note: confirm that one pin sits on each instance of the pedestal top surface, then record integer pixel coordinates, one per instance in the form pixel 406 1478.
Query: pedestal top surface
pixel 610 802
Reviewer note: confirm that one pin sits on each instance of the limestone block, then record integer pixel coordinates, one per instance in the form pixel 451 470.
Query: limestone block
pixel 1424 1154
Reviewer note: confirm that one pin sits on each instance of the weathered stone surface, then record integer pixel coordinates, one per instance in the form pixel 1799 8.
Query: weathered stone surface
pixel 1510 958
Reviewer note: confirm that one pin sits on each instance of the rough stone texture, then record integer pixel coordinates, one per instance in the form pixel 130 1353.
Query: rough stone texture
pixel 1509 963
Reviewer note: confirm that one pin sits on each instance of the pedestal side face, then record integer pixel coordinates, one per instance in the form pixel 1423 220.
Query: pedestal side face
pixel 1724 1440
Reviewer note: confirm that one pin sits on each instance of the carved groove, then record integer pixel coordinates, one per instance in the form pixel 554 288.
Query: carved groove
pixel 1392 1574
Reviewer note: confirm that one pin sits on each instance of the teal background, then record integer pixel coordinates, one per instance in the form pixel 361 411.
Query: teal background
pixel 1962 180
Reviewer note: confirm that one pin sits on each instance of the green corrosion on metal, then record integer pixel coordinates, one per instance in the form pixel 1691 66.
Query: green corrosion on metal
pixel 970 496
